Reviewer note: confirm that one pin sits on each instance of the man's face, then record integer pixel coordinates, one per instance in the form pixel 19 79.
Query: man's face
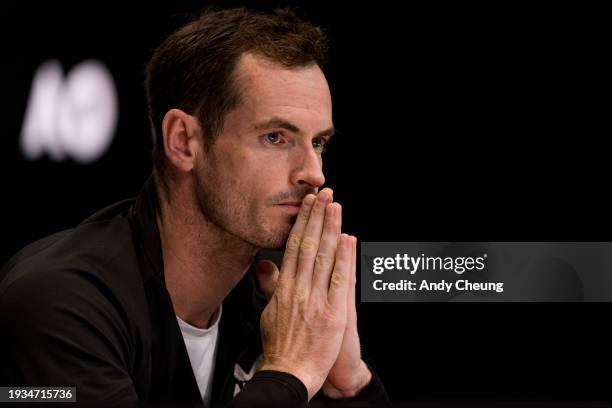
pixel 268 157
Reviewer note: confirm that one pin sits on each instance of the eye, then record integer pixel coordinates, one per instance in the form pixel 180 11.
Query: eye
pixel 273 137
pixel 320 144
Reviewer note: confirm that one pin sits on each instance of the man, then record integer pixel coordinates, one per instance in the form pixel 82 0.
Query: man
pixel 157 301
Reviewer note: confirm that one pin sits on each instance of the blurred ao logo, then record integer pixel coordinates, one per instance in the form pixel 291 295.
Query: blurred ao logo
pixel 72 117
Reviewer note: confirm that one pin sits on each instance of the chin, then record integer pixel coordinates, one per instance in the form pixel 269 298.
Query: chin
pixel 273 238
pixel 272 231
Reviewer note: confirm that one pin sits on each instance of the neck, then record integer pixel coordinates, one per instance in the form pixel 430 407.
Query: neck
pixel 202 263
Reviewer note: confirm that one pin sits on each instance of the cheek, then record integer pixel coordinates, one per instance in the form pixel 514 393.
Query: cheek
pixel 234 167
pixel 253 176
pixel 266 183
pixel 247 177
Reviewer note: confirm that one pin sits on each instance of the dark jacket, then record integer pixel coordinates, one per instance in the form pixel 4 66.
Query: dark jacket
pixel 88 307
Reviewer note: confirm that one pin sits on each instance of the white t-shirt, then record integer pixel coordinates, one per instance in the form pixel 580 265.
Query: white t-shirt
pixel 202 348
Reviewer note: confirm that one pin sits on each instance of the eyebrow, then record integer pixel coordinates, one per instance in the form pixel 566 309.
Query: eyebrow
pixel 285 124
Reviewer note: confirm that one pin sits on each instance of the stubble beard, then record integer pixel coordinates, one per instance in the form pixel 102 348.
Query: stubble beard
pixel 222 205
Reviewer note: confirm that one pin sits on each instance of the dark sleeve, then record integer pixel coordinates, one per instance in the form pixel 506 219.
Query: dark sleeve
pixel 278 389
pixel 372 395
pixel 272 389
pixel 61 328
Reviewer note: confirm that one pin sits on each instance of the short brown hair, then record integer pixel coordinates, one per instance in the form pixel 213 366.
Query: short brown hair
pixel 193 68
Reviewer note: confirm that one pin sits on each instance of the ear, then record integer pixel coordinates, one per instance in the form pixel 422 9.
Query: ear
pixel 180 135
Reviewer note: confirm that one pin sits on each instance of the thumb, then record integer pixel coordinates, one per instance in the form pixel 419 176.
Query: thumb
pixel 267 276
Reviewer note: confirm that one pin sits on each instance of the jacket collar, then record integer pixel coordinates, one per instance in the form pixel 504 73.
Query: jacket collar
pixel 144 217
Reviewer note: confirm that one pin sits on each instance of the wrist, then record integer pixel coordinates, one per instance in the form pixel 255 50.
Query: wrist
pixel 311 383
pixel 363 377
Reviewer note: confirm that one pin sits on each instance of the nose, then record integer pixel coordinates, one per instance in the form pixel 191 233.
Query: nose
pixel 309 169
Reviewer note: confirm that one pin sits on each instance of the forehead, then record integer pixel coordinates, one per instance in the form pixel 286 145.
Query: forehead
pixel 270 89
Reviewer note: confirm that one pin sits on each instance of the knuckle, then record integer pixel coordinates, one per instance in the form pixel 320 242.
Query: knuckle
pixel 316 311
pixel 323 260
pixel 300 297
pixel 307 245
pixel 337 278
pixel 279 294
pixel 290 296
pixel 331 225
pixel 293 242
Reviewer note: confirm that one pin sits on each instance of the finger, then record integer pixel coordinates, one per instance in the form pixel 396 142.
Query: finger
pixel 267 277
pixel 352 295
pixel 325 258
pixel 292 247
pixel 340 278
pixel 310 241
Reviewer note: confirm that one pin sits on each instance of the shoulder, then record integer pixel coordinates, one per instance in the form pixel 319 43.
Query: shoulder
pixel 90 246
pixel 89 272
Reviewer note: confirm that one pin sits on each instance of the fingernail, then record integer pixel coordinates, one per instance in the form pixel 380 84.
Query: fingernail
pixel 309 199
pixel 327 194
pixel 322 198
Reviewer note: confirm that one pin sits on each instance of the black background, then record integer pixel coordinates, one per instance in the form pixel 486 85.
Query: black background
pixel 456 123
